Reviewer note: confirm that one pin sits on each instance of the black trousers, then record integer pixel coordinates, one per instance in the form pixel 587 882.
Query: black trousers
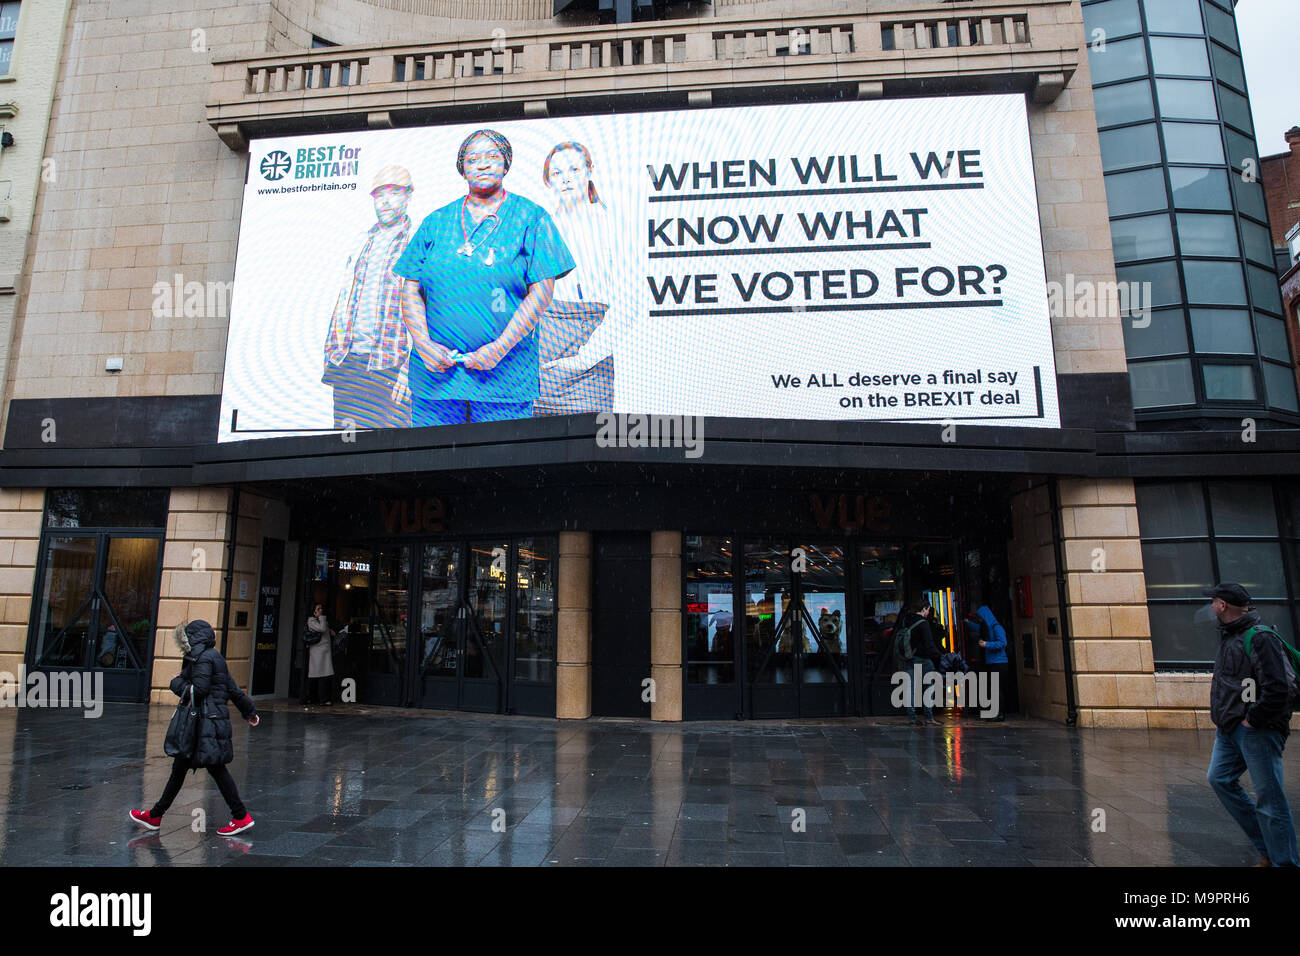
pixel 225 783
pixel 317 689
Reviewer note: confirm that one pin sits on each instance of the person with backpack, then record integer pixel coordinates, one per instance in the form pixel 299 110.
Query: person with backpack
pixel 914 644
pixel 1252 694
pixel 993 641
pixel 205 669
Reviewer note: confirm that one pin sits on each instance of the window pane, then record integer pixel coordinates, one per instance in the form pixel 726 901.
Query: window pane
pixel 1159 384
pixel 1215 283
pixel 9 20
pixel 1240 149
pixel 1139 191
pixel 106 508
pixel 710 614
pixel 1279 616
pixel 1183 633
pixel 535 610
pixel 1202 235
pixel 1228 383
pixel 1171 510
pixel 1220 26
pixel 1124 103
pixel 1165 334
pixel 1177 569
pixel 1256 566
pixel 6 56
pixel 1291 515
pixel 1272 338
pixel 1186 99
pixel 1279 383
pixel 1227 66
pixel 1146 237
pixel 1179 57
pixel 1116 17
pixel 1236 109
pixel 1199 188
pixel 1259 244
pixel 1118 61
pixel 1265 291
pixel 1173 16
pixel 1222 330
pixel 1243 507
pixel 1190 143
pixel 1162 278
pixel 1250 197
pixel 1131 146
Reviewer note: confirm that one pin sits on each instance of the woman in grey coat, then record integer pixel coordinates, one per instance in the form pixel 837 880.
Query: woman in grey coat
pixel 320 659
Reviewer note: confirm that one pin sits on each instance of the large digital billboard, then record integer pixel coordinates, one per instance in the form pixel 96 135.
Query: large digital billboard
pixel 839 261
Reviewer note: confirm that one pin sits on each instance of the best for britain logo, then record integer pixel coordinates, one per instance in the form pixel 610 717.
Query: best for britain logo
pixel 275 165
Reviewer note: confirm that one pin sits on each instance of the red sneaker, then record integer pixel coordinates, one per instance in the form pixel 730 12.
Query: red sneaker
pixel 237 826
pixel 146 819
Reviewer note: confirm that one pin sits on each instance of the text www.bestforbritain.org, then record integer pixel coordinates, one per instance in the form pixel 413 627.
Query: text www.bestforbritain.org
pixel 304 188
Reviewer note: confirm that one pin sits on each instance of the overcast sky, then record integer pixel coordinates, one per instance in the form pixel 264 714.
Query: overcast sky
pixel 1268 31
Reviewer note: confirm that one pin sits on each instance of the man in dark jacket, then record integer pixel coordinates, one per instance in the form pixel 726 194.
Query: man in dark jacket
pixel 925 653
pixel 1250 703
pixel 205 668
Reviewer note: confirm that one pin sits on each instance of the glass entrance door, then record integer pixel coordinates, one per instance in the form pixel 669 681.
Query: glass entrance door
pixel 796 654
pixel 96 606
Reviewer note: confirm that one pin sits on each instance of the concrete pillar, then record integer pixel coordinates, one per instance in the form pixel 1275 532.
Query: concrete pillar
pixel 21 510
pixel 666 624
pixel 573 625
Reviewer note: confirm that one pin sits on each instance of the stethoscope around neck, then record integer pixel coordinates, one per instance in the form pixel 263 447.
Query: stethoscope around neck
pixel 469 247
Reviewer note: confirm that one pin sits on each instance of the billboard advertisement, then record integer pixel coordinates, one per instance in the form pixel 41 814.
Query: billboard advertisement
pixel 875 261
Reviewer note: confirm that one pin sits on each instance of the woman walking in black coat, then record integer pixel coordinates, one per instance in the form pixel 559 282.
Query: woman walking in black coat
pixel 205 668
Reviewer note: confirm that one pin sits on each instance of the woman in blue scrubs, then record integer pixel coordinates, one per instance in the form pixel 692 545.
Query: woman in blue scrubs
pixel 479 273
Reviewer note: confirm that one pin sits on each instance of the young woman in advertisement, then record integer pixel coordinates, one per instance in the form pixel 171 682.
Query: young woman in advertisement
pixel 577 331
pixel 480 272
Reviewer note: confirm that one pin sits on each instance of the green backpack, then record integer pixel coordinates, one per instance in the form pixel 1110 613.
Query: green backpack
pixel 1291 653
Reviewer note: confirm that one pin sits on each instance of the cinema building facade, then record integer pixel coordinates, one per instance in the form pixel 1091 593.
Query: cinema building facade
pixel 524 566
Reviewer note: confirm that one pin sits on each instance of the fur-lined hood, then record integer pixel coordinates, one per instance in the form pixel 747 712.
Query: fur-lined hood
pixel 193 637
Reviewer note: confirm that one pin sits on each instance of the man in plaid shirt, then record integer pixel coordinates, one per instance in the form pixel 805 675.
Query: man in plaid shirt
pixel 367 348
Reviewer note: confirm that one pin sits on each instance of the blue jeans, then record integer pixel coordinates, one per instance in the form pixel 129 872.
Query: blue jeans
pixel 1268 824
pixel 438 412
pixel 918 687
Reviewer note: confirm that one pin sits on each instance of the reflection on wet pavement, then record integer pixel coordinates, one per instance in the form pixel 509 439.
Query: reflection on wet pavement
pixel 464 790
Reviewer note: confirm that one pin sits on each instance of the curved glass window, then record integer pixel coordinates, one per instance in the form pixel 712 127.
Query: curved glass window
pixel 1279 384
pixel 1161 384
pixel 1258 241
pixel 1221 26
pixel 1116 17
pixel 1272 338
pixel 1173 16
pixel 1227 66
pixel 1199 188
pixel 1139 191
pixel 1192 143
pixel 1236 109
pixel 1146 237
pixel 1119 60
pixel 1179 57
pixel 1186 99
pixel 1130 146
pixel 1207 235
pixel 1223 331
pixel 1250 197
pixel 1215 283
pixel 1123 103
pixel 1162 277
pixel 1165 334
pixel 1228 383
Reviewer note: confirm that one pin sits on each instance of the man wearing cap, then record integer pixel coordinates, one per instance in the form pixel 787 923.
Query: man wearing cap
pixel 1250 703
pixel 367 349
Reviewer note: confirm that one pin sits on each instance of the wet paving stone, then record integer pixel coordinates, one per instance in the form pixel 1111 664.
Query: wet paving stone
pixel 397 788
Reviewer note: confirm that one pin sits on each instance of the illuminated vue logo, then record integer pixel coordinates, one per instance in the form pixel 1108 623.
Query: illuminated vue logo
pixel 275 165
